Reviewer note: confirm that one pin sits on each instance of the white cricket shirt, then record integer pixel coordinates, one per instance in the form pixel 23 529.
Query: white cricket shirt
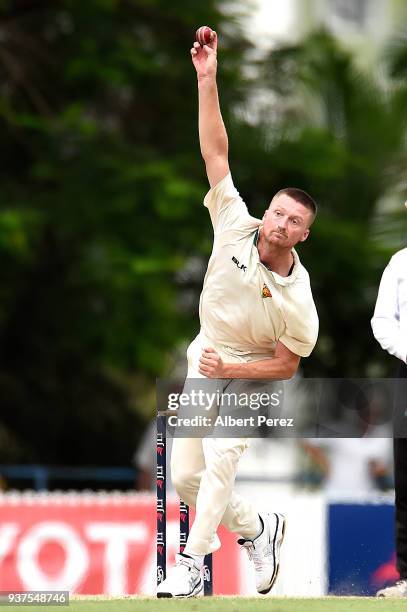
pixel 389 322
pixel 244 306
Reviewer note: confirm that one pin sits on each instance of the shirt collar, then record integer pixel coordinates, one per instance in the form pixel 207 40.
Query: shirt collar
pixel 280 280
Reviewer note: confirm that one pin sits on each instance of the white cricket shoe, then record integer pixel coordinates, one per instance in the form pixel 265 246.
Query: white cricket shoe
pixel 264 551
pixel 398 590
pixel 184 580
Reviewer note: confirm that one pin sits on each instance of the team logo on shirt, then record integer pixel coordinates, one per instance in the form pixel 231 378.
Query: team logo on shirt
pixel 239 265
pixel 265 292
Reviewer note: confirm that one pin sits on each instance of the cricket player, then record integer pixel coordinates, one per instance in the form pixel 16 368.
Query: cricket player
pixel 389 325
pixel 258 319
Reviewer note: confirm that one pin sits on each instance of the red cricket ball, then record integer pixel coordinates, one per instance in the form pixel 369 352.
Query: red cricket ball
pixel 203 35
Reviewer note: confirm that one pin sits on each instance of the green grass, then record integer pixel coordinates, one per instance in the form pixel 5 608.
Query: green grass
pixel 231 604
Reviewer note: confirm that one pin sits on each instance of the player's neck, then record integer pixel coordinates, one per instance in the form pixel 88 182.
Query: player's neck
pixel 275 258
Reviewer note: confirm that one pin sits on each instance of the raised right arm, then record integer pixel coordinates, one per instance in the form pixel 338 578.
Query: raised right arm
pixel 212 132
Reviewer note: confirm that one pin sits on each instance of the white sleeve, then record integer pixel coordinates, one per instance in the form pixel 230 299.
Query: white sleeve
pixel 301 323
pixel 386 318
pixel 225 205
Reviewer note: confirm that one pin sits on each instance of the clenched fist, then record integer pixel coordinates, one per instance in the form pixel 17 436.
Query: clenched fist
pixel 211 364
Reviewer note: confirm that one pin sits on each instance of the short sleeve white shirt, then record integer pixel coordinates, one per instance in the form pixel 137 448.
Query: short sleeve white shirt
pixel 244 305
pixel 389 322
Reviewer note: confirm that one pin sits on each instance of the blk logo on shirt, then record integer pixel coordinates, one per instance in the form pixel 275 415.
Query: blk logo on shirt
pixel 239 265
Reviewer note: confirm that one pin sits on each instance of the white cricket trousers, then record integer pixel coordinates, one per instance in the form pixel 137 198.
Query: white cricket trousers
pixel 203 472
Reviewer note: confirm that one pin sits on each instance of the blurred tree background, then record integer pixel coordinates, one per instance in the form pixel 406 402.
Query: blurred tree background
pixel 102 234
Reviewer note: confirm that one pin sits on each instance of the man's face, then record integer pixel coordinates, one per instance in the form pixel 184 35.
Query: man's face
pixel 286 222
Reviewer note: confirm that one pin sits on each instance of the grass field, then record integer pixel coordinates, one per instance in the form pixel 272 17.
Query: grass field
pixel 232 604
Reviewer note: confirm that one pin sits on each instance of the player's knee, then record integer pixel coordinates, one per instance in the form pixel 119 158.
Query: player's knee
pixel 224 461
pixel 181 478
pixel 225 449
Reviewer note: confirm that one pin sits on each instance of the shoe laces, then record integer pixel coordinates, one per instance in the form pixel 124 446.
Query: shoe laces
pixel 252 553
pixel 189 564
pixel 183 561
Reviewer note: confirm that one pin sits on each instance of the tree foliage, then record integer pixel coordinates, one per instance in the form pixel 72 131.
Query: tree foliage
pixel 101 185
